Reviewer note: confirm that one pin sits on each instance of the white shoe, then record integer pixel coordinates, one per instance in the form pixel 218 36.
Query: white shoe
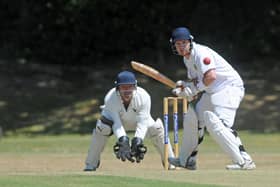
pixel 171 167
pixel 249 165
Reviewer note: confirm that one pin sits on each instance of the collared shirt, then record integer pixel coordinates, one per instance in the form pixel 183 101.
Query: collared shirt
pixel 202 59
pixel 136 117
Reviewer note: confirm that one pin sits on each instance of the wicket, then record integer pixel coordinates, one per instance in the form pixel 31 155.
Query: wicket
pixel 175 125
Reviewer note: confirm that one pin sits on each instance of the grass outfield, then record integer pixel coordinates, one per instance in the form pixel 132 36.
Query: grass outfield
pixel 59 160
pixel 80 180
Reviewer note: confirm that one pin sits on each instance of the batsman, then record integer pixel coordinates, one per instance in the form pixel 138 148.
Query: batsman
pixel 126 108
pixel 221 89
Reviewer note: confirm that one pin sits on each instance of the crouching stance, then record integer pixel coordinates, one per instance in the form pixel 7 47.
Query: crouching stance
pixel 126 107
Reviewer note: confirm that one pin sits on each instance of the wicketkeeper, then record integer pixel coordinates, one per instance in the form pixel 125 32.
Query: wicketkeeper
pixel 126 107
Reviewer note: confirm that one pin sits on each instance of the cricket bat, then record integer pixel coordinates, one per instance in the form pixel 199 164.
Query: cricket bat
pixel 151 72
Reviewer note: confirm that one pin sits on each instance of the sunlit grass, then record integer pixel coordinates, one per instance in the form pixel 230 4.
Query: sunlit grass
pixel 98 181
pixel 49 160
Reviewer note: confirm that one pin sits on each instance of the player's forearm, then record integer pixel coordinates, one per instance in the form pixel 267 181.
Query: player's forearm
pixel 141 131
pixel 119 131
pixel 117 127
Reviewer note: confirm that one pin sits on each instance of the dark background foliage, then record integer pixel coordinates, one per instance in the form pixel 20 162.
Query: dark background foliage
pixel 59 57
pixel 91 31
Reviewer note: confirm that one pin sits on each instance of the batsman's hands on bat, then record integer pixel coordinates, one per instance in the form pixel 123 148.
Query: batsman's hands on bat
pixel 122 149
pixel 185 89
pixel 138 149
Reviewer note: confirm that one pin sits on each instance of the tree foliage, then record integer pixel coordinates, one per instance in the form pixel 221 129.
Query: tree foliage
pixel 88 31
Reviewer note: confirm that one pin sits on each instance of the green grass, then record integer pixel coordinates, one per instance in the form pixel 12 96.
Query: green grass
pixel 77 144
pixel 64 144
pixel 59 160
pixel 90 181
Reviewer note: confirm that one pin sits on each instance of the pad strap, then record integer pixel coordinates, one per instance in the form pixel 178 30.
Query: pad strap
pixel 106 121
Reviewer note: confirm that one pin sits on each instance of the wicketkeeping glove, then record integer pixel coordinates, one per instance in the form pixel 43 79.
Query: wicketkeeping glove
pixel 138 149
pixel 122 149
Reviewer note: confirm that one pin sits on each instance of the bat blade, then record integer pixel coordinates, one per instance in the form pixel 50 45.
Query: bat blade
pixel 151 72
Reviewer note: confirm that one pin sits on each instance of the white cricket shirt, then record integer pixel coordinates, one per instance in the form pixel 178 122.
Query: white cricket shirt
pixel 202 59
pixel 136 117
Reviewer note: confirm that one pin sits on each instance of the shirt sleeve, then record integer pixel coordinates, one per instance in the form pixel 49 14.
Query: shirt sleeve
pixel 206 61
pixel 118 128
pixel 111 112
pixel 143 117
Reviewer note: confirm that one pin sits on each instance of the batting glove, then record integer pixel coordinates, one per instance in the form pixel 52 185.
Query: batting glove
pixel 181 84
pixel 185 89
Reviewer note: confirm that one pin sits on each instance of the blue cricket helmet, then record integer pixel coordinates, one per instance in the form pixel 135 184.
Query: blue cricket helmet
pixel 181 33
pixel 125 77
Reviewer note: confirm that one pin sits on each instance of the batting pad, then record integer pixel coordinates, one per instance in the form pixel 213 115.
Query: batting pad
pixel 190 136
pixel 156 134
pixel 223 136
